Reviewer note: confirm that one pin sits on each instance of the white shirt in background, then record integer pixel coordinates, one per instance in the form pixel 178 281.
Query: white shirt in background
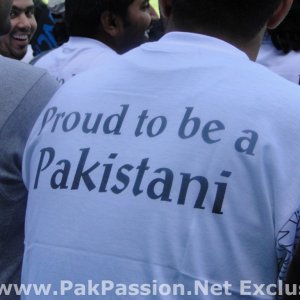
pixel 73 57
pixel 285 65
pixel 29 55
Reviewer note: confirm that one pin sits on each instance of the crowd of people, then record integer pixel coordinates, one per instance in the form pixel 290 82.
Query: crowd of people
pixel 145 148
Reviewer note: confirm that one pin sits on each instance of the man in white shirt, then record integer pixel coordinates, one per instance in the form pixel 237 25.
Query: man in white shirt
pixel 97 28
pixel 172 171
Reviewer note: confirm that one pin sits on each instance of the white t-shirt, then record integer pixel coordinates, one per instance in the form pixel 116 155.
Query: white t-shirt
pixel 175 163
pixel 73 57
pixel 285 65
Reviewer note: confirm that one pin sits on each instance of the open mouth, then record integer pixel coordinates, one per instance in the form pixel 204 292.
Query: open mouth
pixel 21 37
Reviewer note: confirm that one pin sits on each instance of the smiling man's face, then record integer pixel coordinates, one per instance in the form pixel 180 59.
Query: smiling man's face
pixel 23 26
pixel 137 21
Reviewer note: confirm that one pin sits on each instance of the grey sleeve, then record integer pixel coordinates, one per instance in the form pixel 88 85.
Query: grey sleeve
pixel 14 133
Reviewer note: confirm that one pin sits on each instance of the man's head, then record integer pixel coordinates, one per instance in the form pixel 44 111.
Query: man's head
pixel 5 7
pixel 23 25
pixel 121 24
pixel 234 19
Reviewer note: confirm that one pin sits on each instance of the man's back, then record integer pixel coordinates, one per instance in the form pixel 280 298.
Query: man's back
pixel 24 92
pixel 170 165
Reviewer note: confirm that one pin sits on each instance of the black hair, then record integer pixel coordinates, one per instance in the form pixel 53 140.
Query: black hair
pixel 156 31
pixel 241 19
pixel 286 37
pixel 83 16
pixel 39 7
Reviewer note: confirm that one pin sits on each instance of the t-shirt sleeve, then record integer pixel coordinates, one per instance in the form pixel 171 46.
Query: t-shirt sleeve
pixel 286 242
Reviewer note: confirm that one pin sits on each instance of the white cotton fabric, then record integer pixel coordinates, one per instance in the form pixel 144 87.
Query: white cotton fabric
pixel 111 201
pixel 75 56
pixel 285 65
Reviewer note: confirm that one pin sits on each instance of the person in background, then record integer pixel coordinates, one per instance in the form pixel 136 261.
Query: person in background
pixel 57 10
pixel 97 28
pixel 51 30
pixel 280 50
pixel 23 26
pixel 175 163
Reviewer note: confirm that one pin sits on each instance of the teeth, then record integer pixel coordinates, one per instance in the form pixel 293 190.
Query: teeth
pixel 21 37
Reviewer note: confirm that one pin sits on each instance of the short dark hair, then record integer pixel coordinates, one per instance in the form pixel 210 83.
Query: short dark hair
pixel 239 18
pixel 83 16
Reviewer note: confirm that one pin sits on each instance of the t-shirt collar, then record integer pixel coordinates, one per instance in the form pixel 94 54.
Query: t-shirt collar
pixel 203 41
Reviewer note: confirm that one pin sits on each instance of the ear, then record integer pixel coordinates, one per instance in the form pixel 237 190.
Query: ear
pixel 279 14
pixel 111 23
pixel 165 7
